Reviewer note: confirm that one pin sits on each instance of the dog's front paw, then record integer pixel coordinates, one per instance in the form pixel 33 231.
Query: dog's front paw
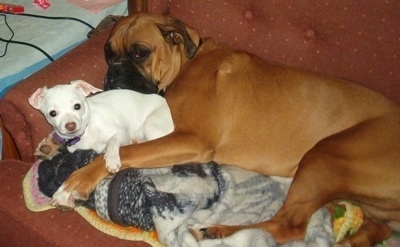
pixel 66 201
pixel 63 200
pixel 47 148
pixel 113 168
pixel 79 185
pixel 113 163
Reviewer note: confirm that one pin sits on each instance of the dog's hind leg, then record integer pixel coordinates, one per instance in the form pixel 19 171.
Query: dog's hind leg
pixel 361 164
pixel 309 191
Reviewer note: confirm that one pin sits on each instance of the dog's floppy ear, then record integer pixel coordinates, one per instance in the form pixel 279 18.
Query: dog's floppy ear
pixel 85 87
pixel 36 98
pixel 175 32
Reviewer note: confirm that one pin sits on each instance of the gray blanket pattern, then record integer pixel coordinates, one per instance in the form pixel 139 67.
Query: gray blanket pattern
pixel 173 200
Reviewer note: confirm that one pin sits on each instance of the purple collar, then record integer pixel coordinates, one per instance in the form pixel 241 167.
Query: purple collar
pixel 68 142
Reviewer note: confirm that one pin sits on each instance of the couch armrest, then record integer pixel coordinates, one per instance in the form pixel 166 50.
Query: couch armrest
pixel 25 124
pixel 9 148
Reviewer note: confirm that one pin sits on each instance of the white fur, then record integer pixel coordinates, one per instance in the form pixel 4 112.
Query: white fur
pixel 107 120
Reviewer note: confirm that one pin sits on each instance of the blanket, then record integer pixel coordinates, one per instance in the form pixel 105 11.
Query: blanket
pixel 174 200
pixel 168 202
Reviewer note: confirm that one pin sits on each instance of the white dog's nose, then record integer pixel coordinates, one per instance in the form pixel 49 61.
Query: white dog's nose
pixel 71 126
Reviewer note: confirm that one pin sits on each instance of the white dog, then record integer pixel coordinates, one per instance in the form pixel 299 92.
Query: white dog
pixel 103 122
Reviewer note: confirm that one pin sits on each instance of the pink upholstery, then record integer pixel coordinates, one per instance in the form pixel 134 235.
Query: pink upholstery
pixel 355 40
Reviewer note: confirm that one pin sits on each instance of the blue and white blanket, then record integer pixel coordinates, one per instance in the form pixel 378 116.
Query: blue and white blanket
pixel 172 200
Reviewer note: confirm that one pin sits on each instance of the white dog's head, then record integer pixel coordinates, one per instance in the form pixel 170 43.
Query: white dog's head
pixel 65 106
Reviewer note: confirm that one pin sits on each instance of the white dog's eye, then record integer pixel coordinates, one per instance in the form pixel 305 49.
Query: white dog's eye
pixel 77 106
pixel 53 113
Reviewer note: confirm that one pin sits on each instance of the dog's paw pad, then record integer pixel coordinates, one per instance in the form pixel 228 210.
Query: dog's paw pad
pixel 46 149
pixel 113 168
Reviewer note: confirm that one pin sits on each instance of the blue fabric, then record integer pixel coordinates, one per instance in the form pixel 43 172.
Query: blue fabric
pixel 7 82
pixel 55 37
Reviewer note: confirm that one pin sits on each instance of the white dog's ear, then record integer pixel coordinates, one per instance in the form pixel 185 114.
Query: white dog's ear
pixel 85 87
pixel 36 98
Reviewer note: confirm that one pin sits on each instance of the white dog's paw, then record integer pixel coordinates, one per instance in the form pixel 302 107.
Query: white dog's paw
pixel 47 148
pixel 113 168
pixel 113 163
pixel 63 200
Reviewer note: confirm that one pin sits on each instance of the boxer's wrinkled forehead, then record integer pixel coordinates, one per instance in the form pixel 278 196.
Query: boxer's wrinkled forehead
pixel 144 29
pixel 151 46
pixel 131 38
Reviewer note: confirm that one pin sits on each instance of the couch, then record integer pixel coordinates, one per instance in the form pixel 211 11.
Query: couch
pixel 354 40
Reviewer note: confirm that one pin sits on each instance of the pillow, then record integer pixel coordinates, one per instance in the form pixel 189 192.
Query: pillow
pixel 37 201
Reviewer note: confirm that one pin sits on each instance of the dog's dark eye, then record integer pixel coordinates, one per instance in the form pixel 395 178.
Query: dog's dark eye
pixel 77 106
pixel 53 113
pixel 139 53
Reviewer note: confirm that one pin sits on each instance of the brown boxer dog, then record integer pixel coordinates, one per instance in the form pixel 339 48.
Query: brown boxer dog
pixel 338 140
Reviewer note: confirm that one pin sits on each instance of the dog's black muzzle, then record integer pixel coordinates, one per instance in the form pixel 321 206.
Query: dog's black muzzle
pixel 122 75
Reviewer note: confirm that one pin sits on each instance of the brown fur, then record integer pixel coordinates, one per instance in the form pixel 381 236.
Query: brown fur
pixel 337 139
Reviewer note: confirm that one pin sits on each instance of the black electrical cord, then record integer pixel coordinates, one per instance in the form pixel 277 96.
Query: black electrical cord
pixel 10 41
pixel 7 41
pixel 57 18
